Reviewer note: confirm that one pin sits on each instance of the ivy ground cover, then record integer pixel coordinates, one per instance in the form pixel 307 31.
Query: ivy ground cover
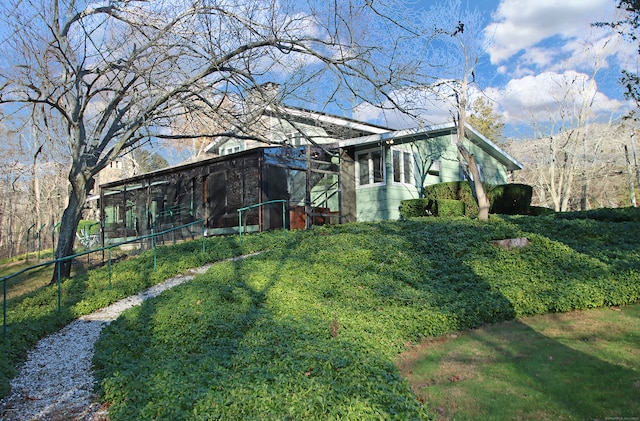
pixel 311 328
pixel 32 306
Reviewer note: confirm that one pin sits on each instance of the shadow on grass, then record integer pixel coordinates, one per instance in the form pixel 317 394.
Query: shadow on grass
pixel 254 339
pixel 230 350
pixel 511 371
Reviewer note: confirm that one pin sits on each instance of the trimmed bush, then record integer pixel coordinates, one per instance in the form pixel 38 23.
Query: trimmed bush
pixel 431 207
pixel 454 190
pixel 413 208
pixel 448 207
pixel 510 199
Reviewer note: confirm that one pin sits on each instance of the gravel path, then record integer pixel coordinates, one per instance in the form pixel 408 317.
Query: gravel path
pixel 56 381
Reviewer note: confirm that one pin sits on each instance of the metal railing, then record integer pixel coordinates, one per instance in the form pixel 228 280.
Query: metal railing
pixel 284 220
pixel 108 248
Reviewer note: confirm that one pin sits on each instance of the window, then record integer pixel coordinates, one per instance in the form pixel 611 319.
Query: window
pixel 230 150
pixel 434 169
pixel 402 167
pixel 295 139
pixel 481 171
pixel 464 175
pixel 370 168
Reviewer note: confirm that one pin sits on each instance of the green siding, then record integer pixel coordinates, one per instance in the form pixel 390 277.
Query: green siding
pixel 382 201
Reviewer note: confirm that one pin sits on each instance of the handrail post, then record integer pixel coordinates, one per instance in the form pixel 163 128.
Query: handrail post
pixel 240 210
pixel 284 221
pixel 109 266
pixel 28 232
pixel 39 240
pixel 4 308
pixel 59 285
pixel 240 225
pixel 155 257
pixel 53 238
pixel 203 230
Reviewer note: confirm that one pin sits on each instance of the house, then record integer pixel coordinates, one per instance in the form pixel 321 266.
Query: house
pixel 327 169
pixel 383 169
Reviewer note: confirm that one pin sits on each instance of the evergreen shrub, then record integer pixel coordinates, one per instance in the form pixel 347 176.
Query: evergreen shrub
pixel 413 208
pixel 449 207
pixel 454 190
pixel 510 199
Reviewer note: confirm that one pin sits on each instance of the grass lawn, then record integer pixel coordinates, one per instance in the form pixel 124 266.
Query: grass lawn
pixel 33 280
pixel 324 324
pixel 312 329
pixel 27 282
pixel 581 365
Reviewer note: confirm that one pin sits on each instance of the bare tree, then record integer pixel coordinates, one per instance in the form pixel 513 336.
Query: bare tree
pixel 567 152
pixel 445 76
pixel 627 26
pixel 605 171
pixel 121 72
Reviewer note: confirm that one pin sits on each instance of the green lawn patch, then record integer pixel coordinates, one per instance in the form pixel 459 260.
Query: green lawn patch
pixel 572 366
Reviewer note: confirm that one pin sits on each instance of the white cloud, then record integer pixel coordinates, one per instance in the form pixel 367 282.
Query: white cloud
pixel 521 24
pixel 550 96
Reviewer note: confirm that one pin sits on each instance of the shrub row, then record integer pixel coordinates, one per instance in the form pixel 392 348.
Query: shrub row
pixel 630 214
pixel 508 199
pixel 432 207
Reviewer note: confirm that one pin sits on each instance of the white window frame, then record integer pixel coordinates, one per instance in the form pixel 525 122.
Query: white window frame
pixel 231 149
pixel 469 176
pixel 435 168
pixel 295 138
pixel 369 154
pixel 403 179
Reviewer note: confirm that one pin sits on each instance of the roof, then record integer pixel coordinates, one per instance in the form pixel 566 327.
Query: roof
pixel 420 133
pixel 295 113
pixel 332 119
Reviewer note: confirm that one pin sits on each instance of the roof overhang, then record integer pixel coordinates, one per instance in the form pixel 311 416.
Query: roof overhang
pixel 423 133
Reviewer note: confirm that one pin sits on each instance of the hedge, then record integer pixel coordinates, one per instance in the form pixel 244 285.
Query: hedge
pixel 454 190
pixel 431 207
pixel 510 199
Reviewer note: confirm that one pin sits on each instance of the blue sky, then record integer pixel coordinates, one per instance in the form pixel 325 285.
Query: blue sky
pixel 538 50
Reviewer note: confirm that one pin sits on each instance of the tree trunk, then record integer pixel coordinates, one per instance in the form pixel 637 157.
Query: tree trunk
pixel 476 184
pixel 632 190
pixel 584 200
pixel 69 224
pixel 472 167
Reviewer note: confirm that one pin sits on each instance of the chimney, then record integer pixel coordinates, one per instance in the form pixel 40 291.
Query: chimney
pixel 261 96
